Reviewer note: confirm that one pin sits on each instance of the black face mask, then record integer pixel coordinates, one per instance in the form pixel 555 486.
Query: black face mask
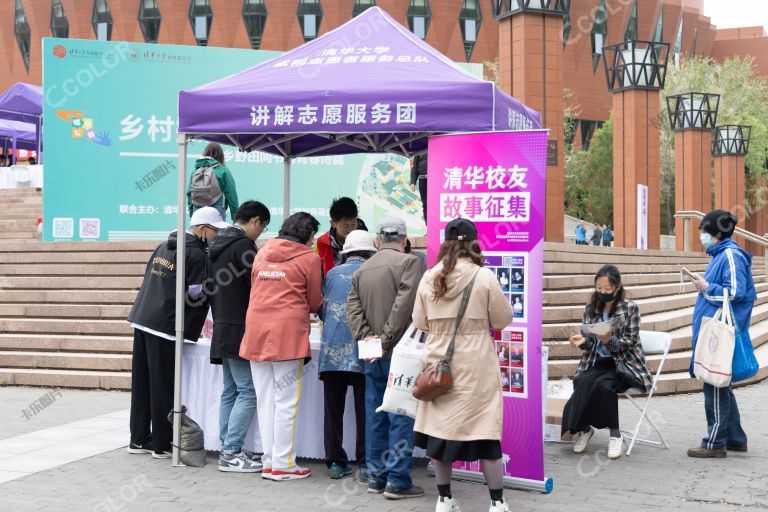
pixel 606 297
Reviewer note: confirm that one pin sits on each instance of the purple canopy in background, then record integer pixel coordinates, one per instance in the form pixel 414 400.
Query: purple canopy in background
pixel 24 133
pixel 369 85
pixel 22 102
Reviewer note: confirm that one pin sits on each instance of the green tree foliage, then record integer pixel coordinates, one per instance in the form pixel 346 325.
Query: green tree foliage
pixel 589 178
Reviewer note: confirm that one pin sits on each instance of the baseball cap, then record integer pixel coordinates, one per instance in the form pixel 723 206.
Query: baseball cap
pixel 391 226
pixel 461 229
pixel 358 240
pixel 208 215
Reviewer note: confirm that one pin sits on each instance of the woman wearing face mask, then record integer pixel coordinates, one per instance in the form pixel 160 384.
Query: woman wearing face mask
pixel 609 365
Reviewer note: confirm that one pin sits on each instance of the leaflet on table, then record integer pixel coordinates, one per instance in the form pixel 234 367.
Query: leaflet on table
pixel 369 348
pixel 600 328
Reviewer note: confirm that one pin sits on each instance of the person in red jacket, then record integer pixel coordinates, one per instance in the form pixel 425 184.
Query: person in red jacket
pixel 343 221
pixel 286 287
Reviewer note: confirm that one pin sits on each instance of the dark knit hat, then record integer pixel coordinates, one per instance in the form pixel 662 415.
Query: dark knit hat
pixel 719 223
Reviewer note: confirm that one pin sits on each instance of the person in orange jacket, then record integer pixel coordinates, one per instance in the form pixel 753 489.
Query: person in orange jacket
pixel 343 221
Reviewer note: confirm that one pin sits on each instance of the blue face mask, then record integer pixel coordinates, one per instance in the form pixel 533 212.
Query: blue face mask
pixel 706 240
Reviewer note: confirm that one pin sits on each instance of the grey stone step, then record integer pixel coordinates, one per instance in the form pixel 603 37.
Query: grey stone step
pixel 590 269
pixel 88 283
pixel 76 257
pixel 50 326
pixel 81 311
pixel 65 378
pixel 66 343
pixel 65 361
pixel 628 278
pixel 73 269
pixel 101 297
pixel 147 246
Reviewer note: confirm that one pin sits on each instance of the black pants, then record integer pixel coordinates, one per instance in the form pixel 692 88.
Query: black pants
pixel 594 401
pixel 423 194
pixel 152 390
pixel 335 386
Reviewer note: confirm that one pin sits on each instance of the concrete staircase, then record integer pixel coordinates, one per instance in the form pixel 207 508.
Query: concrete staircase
pixel 21 208
pixel 652 280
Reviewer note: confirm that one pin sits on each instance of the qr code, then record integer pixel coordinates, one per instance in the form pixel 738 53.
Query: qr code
pixel 90 228
pixel 63 227
pixel 507 261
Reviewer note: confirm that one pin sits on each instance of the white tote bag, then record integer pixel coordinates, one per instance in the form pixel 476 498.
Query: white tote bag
pixel 713 359
pixel 405 367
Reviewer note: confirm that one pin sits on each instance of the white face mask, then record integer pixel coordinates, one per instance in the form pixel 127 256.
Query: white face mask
pixel 706 240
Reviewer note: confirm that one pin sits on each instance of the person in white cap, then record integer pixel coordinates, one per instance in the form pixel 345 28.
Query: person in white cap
pixel 153 318
pixel 340 366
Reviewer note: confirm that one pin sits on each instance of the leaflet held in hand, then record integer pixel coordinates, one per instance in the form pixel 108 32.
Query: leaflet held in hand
pixel 599 329
pixel 369 348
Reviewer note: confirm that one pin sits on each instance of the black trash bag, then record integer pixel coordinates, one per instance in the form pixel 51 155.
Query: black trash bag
pixel 192 445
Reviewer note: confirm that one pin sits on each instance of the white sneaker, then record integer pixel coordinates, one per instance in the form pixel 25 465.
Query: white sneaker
pixel 499 506
pixel 582 441
pixel 447 505
pixel 615 447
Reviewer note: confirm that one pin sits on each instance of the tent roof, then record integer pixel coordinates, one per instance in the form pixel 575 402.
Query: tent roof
pixel 22 102
pixel 17 129
pixel 369 85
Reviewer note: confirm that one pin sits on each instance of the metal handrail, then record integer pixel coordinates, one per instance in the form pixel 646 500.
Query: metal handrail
pixel 687 216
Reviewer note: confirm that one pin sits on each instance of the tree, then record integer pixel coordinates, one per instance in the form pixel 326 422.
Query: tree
pixel 589 178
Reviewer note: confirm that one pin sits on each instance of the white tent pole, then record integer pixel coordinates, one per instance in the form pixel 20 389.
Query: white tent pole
pixel 37 134
pixel 287 182
pixel 181 233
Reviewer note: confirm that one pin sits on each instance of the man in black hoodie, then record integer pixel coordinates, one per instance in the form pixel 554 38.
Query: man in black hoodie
pixel 153 318
pixel 228 288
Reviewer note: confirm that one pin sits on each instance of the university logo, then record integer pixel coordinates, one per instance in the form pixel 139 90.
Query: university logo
pixel 59 51
pixel 714 341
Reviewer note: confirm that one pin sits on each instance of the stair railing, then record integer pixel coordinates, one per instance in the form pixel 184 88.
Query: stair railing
pixel 688 216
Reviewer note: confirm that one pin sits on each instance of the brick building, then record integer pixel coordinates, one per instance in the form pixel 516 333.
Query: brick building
pixel 464 30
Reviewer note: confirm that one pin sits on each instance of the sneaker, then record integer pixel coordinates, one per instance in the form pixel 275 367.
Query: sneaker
pixel 266 473
pixel 736 447
pixel 499 506
pixel 338 471
pixel 238 463
pixel 297 473
pixel 581 440
pixel 255 457
pixel 161 454
pixel 447 505
pixel 394 493
pixel 705 453
pixel 375 487
pixel 140 448
pixel 615 447
pixel 362 475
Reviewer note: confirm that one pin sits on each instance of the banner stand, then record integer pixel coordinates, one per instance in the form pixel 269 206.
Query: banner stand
pixel 543 486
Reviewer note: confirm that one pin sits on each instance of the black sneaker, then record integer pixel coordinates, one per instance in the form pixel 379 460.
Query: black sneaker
pixel 394 493
pixel 138 449
pixel 375 487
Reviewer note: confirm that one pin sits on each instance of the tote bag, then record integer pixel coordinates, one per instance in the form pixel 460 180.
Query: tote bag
pixel 713 358
pixel 745 363
pixel 405 367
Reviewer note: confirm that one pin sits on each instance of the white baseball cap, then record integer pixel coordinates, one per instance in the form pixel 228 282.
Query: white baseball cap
pixel 209 216
pixel 358 240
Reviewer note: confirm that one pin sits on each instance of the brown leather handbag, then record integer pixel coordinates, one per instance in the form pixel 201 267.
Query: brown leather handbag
pixel 436 379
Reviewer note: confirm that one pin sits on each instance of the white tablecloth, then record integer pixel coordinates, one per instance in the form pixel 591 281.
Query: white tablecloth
pixel 201 387
pixel 21 176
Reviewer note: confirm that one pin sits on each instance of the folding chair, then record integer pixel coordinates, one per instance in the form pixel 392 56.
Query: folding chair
pixel 654 343
pixel 21 176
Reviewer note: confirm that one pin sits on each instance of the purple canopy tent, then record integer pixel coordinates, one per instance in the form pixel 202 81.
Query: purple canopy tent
pixel 370 85
pixel 24 102
pixel 19 135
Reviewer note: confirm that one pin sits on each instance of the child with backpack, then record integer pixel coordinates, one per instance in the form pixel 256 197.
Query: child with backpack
pixel 212 184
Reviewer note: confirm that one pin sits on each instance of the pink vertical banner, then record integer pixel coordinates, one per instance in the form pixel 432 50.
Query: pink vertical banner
pixel 497 180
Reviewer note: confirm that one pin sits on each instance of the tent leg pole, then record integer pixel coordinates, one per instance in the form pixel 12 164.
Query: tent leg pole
pixel 287 185
pixel 180 294
pixel 37 134
pixel 15 154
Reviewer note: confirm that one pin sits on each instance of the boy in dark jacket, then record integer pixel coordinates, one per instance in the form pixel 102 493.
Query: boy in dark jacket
pixel 344 220
pixel 153 318
pixel 228 288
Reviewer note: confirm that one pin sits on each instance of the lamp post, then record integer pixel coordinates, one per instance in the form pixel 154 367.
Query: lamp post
pixel 531 70
pixel 635 72
pixel 730 144
pixel 692 116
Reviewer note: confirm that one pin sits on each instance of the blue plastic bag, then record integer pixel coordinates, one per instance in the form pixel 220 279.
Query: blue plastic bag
pixel 745 363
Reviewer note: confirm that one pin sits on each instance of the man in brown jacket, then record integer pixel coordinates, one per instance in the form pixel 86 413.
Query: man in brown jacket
pixel 380 304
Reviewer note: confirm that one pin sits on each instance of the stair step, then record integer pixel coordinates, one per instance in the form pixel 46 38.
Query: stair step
pixel 100 297
pixel 64 343
pixel 77 257
pixel 73 269
pixel 147 246
pixel 80 311
pixel 629 279
pixel 65 378
pixel 88 283
pixel 65 361
pixel 50 326
pixel 590 269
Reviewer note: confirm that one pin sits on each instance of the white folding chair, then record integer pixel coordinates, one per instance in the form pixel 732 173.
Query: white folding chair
pixel 21 176
pixel 654 343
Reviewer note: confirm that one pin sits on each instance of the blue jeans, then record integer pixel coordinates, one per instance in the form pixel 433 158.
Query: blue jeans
pixel 723 419
pixel 219 208
pixel 388 437
pixel 238 404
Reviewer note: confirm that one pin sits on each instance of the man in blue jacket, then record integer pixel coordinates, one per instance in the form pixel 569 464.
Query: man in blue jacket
pixel 729 271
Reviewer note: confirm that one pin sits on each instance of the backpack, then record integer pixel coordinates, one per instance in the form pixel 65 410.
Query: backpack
pixel 204 187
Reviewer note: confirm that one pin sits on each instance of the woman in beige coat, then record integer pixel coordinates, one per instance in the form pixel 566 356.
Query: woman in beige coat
pixel 464 423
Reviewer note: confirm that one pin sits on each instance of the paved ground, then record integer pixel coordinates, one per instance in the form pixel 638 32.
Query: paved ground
pixel 651 479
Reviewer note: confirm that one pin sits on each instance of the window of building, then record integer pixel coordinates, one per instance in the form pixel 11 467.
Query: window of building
pixel 679 44
pixel 419 15
pixel 599 31
pixel 361 6
pixel 310 14
pixel 631 33
pixel 469 20
pixel 566 22
pixel 255 18
pixel 59 22
pixel 149 20
pixel 102 20
pixel 658 35
pixel 22 32
pixel 201 19
pixel 588 129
